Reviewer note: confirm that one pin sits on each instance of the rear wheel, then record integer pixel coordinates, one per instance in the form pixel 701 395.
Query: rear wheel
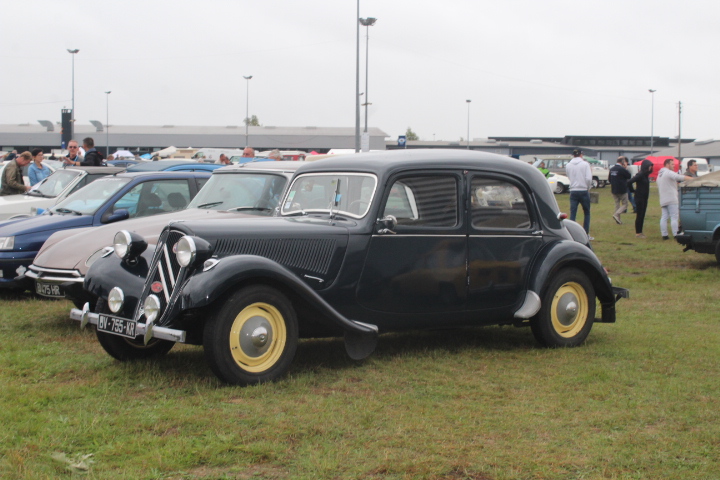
pixel 123 348
pixel 595 182
pixel 253 337
pixel 559 188
pixel 567 312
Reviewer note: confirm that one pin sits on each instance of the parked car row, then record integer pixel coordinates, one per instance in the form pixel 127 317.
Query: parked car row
pixel 353 246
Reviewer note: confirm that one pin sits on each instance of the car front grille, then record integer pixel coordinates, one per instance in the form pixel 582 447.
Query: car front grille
pixel 164 277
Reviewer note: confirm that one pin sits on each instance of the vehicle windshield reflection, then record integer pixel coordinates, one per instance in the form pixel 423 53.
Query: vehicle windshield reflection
pixel 88 199
pixel 56 183
pixel 250 192
pixel 349 194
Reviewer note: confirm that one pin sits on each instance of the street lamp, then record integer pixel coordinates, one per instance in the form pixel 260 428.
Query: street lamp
pixel 468 130
pixel 367 23
pixel 72 115
pixel 247 107
pixel 652 120
pixel 107 123
pixel 357 81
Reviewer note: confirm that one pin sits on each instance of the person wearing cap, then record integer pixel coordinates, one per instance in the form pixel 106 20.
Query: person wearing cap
pixel 580 175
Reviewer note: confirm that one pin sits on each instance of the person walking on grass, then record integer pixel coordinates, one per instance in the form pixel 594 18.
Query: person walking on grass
pixel 642 191
pixel 580 175
pixel 667 181
pixel 619 177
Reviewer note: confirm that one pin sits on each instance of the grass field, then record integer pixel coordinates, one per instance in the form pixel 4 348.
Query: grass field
pixel 639 400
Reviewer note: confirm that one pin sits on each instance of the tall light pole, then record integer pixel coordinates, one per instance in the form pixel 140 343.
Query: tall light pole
pixel 107 123
pixel 72 115
pixel 247 107
pixel 468 131
pixel 357 80
pixel 367 23
pixel 652 120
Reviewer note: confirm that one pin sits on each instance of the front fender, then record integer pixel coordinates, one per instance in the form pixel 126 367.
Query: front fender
pixel 203 288
pixel 568 253
pixel 108 272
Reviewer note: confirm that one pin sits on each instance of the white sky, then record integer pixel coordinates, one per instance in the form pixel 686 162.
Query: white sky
pixel 530 67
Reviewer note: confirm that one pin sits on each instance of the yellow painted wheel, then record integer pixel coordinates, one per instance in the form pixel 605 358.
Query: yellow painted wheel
pixel 252 337
pixel 569 310
pixel 257 337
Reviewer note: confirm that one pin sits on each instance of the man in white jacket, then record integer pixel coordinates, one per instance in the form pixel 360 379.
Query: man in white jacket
pixel 667 181
pixel 580 175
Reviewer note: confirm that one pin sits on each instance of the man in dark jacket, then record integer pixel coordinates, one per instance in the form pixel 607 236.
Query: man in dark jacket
pixel 93 158
pixel 619 177
pixel 642 192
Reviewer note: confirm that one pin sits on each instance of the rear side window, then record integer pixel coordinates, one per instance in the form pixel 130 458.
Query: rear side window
pixel 424 201
pixel 496 204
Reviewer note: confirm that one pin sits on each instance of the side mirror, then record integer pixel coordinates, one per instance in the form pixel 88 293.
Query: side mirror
pixel 387 224
pixel 116 216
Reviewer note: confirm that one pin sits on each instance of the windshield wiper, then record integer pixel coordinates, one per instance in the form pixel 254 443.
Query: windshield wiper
pixel 210 204
pixel 238 209
pixel 37 193
pixel 296 214
pixel 67 210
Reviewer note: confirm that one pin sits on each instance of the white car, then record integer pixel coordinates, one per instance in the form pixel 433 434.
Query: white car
pixel 558 183
pixel 51 190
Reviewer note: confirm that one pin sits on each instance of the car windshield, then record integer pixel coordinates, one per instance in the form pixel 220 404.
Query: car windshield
pixel 347 193
pixel 56 183
pixel 257 193
pixel 88 199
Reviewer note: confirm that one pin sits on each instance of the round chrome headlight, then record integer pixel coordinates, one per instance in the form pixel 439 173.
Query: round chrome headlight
pixel 186 251
pixel 121 243
pixel 116 298
pixel 151 308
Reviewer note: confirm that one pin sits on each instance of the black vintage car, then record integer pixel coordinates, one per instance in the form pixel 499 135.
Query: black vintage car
pixel 364 244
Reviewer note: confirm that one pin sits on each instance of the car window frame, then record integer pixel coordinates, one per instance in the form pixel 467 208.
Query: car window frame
pixel 525 190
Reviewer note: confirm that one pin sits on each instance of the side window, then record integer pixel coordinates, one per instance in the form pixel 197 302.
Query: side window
pixel 200 182
pixel 424 201
pixel 497 204
pixel 79 185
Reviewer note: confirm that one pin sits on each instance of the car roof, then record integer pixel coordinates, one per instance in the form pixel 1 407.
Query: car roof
pixel 106 170
pixel 165 164
pixel 162 174
pixel 281 166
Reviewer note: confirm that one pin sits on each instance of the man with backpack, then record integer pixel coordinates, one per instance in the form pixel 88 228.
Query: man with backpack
pixel 93 158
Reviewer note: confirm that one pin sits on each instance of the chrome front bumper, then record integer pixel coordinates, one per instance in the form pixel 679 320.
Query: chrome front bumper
pixel 85 316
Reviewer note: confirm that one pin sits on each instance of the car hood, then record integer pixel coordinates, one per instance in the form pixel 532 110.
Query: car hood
pixel 43 223
pixel 70 249
pixel 22 204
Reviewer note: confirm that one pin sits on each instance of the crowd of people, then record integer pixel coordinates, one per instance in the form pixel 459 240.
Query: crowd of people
pixel 630 190
pixel 12 182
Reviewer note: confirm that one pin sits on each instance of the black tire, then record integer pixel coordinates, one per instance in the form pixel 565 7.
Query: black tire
pixel 126 349
pixel 560 323
pixel 717 252
pixel 236 353
pixel 560 188
pixel 595 182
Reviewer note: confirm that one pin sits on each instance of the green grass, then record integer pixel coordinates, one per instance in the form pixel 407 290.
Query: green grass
pixel 639 400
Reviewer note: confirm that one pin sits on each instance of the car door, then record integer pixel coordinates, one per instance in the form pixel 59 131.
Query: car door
pixel 420 266
pixel 504 236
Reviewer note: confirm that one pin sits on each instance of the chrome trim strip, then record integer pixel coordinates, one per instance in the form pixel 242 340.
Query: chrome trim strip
pixel 162 333
pixel 398 235
pixel 164 283
pixel 37 277
pixel 169 264
pixel 75 273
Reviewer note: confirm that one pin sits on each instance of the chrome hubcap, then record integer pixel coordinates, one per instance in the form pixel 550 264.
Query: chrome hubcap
pixel 255 336
pixel 567 309
pixel 259 337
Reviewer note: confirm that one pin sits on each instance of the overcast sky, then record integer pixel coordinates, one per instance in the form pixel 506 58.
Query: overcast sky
pixel 531 68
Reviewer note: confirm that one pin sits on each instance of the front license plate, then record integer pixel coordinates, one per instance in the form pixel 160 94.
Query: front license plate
pixel 117 326
pixel 48 289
